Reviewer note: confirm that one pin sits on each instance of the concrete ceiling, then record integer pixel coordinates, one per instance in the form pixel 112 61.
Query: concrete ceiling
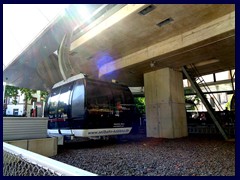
pixel 121 44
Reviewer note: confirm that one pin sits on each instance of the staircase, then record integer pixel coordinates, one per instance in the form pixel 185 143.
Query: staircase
pixel 196 81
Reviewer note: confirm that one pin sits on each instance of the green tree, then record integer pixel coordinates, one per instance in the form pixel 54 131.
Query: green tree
pixel 140 104
pixel 192 102
pixel 43 95
pixel 12 92
pixel 28 93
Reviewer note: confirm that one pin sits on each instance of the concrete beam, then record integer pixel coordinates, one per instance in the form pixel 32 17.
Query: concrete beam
pixel 63 57
pixel 49 71
pixel 204 32
pixel 115 18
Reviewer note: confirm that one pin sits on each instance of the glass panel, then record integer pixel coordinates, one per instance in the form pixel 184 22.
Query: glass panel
pixel 98 95
pixel 222 76
pixel 128 97
pixel 221 87
pixel 185 83
pixel 53 103
pixel 118 96
pixel 208 78
pixel 78 100
pixel 63 104
pixel 223 97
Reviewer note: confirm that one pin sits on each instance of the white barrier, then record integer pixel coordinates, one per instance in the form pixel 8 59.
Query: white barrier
pixel 21 162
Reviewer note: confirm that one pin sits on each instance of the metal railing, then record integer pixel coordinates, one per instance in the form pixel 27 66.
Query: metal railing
pixel 204 100
pixel 21 162
pixel 201 82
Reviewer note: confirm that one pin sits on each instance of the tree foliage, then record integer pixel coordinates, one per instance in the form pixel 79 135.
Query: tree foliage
pixel 28 93
pixel 192 102
pixel 140 104
pixel 43 95
pixel 12 92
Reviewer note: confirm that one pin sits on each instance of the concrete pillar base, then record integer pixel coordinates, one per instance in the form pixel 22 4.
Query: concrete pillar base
pixel 44 146
pixel 165 104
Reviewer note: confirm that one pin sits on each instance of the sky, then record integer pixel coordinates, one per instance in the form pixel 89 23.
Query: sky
pixel 22 23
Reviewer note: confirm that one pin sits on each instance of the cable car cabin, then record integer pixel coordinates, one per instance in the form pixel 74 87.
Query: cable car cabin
pixel 83 107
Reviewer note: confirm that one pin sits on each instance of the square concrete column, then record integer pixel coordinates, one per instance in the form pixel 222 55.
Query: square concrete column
pixel 165 104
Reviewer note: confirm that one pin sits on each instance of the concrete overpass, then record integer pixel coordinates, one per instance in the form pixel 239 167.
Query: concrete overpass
pixel 138 45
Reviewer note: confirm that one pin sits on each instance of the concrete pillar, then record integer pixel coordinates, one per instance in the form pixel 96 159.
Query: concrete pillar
pixel 165 104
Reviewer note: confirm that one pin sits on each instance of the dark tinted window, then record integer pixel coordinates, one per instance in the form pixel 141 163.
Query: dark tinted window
pixel 53 103
pixel 118 95
pixel 46 107
pixel 128 97
pixel 63 104
pixel 98 95
pixel 122 97
pixel 78 99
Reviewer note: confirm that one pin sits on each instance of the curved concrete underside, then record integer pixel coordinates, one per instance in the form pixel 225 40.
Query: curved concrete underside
pixel 121 44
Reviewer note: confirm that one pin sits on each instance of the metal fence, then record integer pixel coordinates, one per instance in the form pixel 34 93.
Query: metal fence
pixel 20 162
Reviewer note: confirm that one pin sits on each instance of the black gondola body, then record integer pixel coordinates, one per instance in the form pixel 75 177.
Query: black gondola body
pixel 83 107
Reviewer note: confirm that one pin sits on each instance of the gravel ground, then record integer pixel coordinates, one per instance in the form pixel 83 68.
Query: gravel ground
pixel 137 155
